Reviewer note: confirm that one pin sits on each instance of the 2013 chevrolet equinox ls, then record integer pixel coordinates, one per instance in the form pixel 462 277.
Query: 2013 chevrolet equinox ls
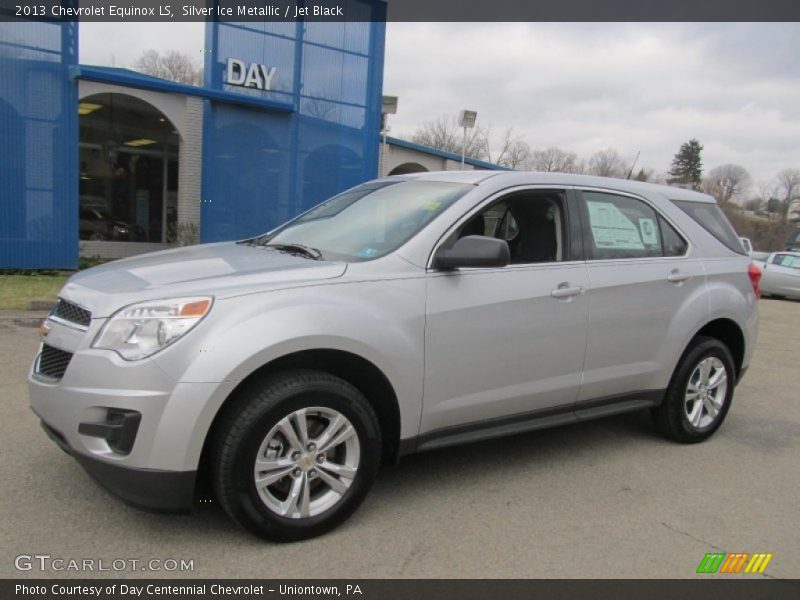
pixel 405 314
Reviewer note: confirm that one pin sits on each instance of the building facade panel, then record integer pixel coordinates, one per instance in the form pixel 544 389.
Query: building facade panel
pixel 38 164
pixel 261 168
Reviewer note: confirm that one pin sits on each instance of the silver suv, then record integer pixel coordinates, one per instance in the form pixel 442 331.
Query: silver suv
pixel 406 314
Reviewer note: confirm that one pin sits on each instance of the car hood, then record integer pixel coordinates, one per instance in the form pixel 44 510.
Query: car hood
pixel 222 270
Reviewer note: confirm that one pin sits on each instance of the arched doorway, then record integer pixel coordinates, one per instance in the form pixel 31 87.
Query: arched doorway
pixel 407 168
pixel 128 157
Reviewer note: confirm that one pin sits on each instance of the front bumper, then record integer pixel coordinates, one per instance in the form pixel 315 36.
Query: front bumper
pixel 147 489
pixel 132 427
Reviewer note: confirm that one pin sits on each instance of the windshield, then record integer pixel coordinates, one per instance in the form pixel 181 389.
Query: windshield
pixel 368 221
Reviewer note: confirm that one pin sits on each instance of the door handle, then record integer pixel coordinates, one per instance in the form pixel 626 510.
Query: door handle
pixel 678 277
pixel 565 290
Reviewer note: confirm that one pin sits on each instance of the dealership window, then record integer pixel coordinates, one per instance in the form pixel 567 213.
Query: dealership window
pixel 128 161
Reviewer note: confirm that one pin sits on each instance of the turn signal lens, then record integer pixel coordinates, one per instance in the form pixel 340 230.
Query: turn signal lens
pixel 195 309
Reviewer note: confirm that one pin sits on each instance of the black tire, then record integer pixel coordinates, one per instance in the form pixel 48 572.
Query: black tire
pixel 254 413
pixel 670 416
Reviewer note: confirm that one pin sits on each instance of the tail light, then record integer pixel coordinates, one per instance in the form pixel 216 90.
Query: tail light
pixel 754 273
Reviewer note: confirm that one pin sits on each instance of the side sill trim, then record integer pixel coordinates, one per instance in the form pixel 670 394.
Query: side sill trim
pixel 531 421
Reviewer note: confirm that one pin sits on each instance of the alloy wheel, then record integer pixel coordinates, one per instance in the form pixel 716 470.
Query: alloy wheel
pixel 705 392
pixel 307 462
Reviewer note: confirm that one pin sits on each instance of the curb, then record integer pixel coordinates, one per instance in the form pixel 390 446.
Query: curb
pixel 22 322
pixel 22 318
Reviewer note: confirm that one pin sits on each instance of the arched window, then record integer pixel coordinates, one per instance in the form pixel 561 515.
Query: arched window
pixel 407 168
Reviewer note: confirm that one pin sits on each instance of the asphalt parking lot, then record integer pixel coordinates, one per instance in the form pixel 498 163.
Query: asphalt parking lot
pixel 607 499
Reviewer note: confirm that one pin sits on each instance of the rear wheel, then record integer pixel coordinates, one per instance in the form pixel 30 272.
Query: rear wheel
pixel 295 455
pixel 700 393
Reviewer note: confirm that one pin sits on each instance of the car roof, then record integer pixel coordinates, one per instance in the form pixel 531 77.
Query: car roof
pixel 536 178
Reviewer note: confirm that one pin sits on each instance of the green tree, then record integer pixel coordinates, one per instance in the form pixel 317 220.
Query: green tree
pixel 687 166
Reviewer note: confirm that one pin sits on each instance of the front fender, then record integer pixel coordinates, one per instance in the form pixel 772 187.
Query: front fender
pixel 382 322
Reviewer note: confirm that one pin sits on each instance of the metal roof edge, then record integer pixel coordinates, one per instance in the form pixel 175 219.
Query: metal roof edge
pixel 127 78
pixel 444 154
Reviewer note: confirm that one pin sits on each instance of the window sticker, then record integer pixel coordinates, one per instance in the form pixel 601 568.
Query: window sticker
pixel 368 252
pixel 432 206
pixel 611 228
pixel 648 229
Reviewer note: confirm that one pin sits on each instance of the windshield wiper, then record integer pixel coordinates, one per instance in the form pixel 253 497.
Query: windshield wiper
pixel 312 253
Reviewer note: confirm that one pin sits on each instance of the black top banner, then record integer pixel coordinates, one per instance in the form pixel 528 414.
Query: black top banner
pixel 402 10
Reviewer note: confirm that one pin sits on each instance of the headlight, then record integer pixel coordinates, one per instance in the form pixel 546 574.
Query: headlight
pixel 142 329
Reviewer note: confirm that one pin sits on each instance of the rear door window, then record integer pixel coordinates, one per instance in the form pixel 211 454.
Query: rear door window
pixel 711 218
pixel 674 244
pixel 620 227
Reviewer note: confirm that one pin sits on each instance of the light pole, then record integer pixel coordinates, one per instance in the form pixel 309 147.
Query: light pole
pixel 388 107
pixel 466 119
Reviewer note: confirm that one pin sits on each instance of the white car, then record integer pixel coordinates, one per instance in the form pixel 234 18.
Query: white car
pixel 781 275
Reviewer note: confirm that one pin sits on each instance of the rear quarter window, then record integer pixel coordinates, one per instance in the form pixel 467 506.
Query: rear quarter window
pixel 711 218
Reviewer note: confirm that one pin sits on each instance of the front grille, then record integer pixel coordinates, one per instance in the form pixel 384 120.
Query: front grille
pixel 53 362
pixel 72 313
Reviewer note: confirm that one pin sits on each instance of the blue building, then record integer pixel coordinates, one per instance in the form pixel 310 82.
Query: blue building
pixel 111 162
pixel 100 161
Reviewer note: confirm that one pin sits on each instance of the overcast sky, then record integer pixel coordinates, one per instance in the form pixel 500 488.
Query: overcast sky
pixel 581 87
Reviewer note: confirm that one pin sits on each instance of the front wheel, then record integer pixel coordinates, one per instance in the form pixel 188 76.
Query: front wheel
pixel 700 393
pixel 295 455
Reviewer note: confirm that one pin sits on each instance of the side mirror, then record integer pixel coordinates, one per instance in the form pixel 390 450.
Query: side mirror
pixel 473 251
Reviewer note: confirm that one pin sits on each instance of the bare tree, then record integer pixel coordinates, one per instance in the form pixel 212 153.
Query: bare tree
pixel 315 106
pixel 445 134
pixel 607 163
pixel 174 66
pixel 514 152
pixel 789 189
pixel 554 159
pixel 149 63
pixel 727 182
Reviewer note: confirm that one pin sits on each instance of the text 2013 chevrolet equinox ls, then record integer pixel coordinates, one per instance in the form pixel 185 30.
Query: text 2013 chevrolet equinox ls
pixel 405 314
